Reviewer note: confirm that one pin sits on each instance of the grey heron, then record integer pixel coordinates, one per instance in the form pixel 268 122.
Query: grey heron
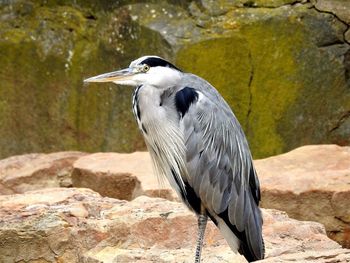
pixel 197 143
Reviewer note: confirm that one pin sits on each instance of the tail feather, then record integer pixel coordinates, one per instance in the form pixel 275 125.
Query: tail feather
pixel 250 242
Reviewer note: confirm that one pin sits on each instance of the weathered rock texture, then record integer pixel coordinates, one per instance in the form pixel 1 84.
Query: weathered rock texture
pixel 310 183
pixel 78 225
pixel 23 173
pixel 122 176
pixel 282 65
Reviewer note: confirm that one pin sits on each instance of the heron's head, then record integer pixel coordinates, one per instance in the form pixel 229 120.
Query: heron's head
pixel 146 70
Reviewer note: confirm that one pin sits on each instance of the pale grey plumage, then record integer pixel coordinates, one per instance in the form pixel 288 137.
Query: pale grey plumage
pixel 196 142
pixel 218 160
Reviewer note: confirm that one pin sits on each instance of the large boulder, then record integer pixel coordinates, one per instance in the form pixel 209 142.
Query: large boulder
pixel 78 225
pixel 122 176
pixel 22 173
pixel 282 65
pixel 310 183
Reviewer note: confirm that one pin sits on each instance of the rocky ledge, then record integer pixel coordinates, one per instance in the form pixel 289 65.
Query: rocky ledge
pixel 48 215
pixel 310 183
pixel 79 225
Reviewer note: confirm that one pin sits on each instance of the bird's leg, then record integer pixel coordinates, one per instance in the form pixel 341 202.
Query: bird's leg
pixel 202 223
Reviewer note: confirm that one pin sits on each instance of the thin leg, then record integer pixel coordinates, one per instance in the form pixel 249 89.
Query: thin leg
pixel 202 223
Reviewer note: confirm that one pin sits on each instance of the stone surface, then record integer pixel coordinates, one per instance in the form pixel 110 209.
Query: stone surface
pixel 122 176
pixel 331 256
pixel 282 65
pixel 78 225
pixel 280 107
pixel 46 50
pixel 338 7
pixel 310 183
pixel 27 172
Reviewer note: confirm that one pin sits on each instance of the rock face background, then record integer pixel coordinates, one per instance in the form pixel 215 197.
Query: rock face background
pixel 284 67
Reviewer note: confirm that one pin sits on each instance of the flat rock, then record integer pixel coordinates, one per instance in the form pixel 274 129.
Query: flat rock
pixel 34 171
pixel 330 256
pixel 310 183
pixel 78 225
pixel 122 176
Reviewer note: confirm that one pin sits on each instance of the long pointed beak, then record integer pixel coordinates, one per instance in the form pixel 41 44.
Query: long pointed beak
pixel 123 74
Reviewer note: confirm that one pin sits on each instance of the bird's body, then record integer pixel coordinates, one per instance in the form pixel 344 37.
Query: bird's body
pixel 196 142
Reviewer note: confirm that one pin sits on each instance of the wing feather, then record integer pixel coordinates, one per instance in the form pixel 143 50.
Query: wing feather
pixel 220 167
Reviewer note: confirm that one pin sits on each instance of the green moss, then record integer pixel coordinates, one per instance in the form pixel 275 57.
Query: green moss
pixel 275 83
pixel 264 3
pixel 44 104
pixel 29 92
pixel 317 116
pixel 256 72
pixel 222 6
pixel 15 35
pixel 226 64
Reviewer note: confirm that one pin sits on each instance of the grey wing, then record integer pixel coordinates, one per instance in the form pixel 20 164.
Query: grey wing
pixel 220 169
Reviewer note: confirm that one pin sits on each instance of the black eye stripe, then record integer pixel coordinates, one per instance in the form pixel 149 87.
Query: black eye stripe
pixel 155 62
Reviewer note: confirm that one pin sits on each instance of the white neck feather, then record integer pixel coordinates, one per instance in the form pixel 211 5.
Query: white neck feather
pixel 163 138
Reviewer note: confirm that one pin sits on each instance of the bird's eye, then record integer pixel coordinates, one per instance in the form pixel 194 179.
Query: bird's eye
pixel 145 68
